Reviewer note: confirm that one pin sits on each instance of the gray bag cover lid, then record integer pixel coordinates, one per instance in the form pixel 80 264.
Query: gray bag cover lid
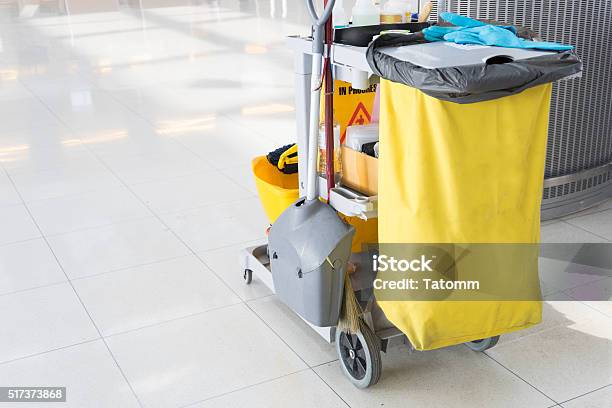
pixel 469 83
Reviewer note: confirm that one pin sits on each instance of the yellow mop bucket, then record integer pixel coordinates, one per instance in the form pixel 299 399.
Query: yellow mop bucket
pixel 277 190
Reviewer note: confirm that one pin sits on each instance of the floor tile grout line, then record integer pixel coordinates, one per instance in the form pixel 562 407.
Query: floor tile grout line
pixel 601 278
pixel 75 195
pixel 179 141
pixel 20 171
pixel 522 379
pixel 583 302
pixel 82 303
pixel 196 207
pixel 172 320
pixel 587 393
pixel 131 109
pixel 276 334
pixel 329 386
pixel 20 241
pixel 525 335
pixel 41 353
pixel 210 171
pixel 51 111
pixel 251 242
pixel 123 186
pixel 586 230
pixel 325 363
pixel 123 221
pixel 105 225
pixel 173 178
pixel 47 285
pixel 191 404
pixel 92 227
pixel 592 210
pixel 252 197
pixel 135 266
pixel 567 292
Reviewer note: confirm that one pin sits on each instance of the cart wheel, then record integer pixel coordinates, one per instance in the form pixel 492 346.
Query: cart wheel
pixel 483 344
pixel 359 355
pixel 248 276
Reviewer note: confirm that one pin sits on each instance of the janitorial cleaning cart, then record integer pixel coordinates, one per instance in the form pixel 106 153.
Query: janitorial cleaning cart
pixel 460 156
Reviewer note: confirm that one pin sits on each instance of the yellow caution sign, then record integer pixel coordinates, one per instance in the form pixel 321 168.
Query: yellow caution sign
pixel 351 106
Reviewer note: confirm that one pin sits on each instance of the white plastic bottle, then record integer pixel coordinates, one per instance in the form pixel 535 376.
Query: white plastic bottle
pixel 411 8
pixel 339 16
pixel 365 13
pixel 322 159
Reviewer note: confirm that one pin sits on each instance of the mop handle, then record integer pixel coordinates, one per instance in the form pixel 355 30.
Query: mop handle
pixel 329 108
pixel 315 96
pixel 316 20
pixel 317 57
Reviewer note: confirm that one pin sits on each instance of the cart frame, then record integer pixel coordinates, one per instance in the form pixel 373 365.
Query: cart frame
pixel 348 64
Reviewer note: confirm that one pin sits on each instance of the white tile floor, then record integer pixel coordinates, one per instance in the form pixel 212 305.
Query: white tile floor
pixel 125 142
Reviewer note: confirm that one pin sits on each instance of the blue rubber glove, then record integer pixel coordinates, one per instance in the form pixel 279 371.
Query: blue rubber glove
pixel 469 31
pixel 437 33
pixel 485 35
pixel 461 21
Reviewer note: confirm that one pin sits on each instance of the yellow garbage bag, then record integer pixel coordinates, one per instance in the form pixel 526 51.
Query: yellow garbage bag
pixel 460 173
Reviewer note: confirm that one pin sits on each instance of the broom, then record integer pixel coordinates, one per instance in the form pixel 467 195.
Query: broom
pixel 350 312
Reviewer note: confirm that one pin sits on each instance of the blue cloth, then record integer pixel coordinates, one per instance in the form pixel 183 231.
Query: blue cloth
pixel 466 30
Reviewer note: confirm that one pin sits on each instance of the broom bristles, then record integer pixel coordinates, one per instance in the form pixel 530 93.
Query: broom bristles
pixel 350 313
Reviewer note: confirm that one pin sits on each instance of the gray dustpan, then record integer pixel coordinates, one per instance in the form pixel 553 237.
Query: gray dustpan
pixel 309 245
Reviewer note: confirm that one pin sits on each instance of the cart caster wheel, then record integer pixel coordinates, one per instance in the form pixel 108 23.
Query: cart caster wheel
pixel 359 356
pixel 248 276
pixel 483 344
